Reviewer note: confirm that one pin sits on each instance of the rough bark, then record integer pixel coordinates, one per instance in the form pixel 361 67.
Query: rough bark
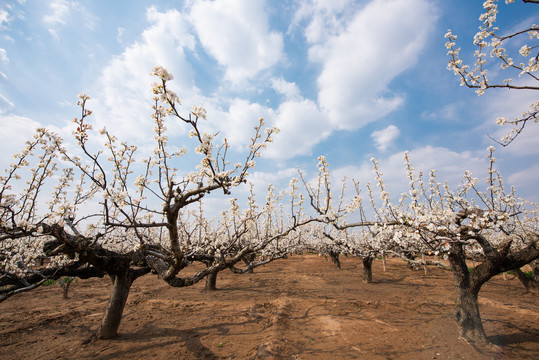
pixel 535 271
pixel 11 285
pixel 65 282
pixel 335 258
pixel 121 284
pixel 248 259
pixel 74 270
pixel 468 318
pixel 211 281
pixel 466 312
pixel 528 282
pixel 367 269
pixel 468 283
pixel 410 258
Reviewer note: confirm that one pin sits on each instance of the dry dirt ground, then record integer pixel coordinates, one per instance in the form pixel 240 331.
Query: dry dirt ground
pixel 302 307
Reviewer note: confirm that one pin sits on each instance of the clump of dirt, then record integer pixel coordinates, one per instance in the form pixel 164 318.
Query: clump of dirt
pixel 299 308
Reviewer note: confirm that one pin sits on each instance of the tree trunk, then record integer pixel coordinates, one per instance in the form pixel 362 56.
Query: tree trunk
pixel 523 279
pixel 335 258
pixel 535 271
pixel 528 283
pixel 367 269
pixel 468 317
pixel 466 312
pixel 410 256
pixel 211 281
pixel 248 259
pixel 65 282
pixel 121 284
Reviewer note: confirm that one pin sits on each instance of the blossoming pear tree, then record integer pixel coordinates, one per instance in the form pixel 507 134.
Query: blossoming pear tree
pixel 254 236
pixel 361 239
pixel 489 223
pixel 522 62
pixel 110 211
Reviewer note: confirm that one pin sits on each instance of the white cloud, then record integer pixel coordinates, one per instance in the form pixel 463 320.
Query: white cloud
pixel 385 137
pixel 3 56
pixel 357 67
pixel 449 165
pixel 300 122
pixel 525 177
pixel 16 130
pixel 60 11
pixel 63 11
pixel 383 40
pixel 273 177
pixel 326 18
pixel 446 112
pixel 302 126
pixel 123 93
pixel 236 33
pixel 261 180
pixel 289 89
pixel 5 103
pixel 120 34
pixel 4 18
pixel 237 123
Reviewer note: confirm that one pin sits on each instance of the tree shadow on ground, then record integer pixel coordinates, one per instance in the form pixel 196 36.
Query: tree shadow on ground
pixel 190 338
pixel 516 338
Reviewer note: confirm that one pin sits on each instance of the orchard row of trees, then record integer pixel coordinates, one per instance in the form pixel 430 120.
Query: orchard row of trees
pixel 144 219
pixel 95 211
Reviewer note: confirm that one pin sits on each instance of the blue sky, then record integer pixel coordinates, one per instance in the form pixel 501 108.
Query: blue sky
pixel 346 79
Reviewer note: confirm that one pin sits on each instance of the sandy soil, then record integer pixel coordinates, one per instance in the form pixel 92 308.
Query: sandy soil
pixel 298 308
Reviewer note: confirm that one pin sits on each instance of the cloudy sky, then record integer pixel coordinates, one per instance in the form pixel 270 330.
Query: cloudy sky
pixel 346 79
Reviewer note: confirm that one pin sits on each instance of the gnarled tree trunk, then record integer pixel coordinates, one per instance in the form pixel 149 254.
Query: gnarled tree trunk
pixel 468 317
pixel 468 283
pixel 121 284
pixel 248 259
pixel 334 256
pixel 211 281
pixel 65 282
pixel 466 312
pixel 527 282
pixel 367 269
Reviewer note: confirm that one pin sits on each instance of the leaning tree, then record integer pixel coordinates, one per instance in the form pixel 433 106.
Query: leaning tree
pixel 515 51
pixel 109 210
pixel 487 222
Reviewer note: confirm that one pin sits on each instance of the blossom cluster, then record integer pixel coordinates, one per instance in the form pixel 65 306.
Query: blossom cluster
pixel 500 44
pixel 428 219
pixel 109 198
